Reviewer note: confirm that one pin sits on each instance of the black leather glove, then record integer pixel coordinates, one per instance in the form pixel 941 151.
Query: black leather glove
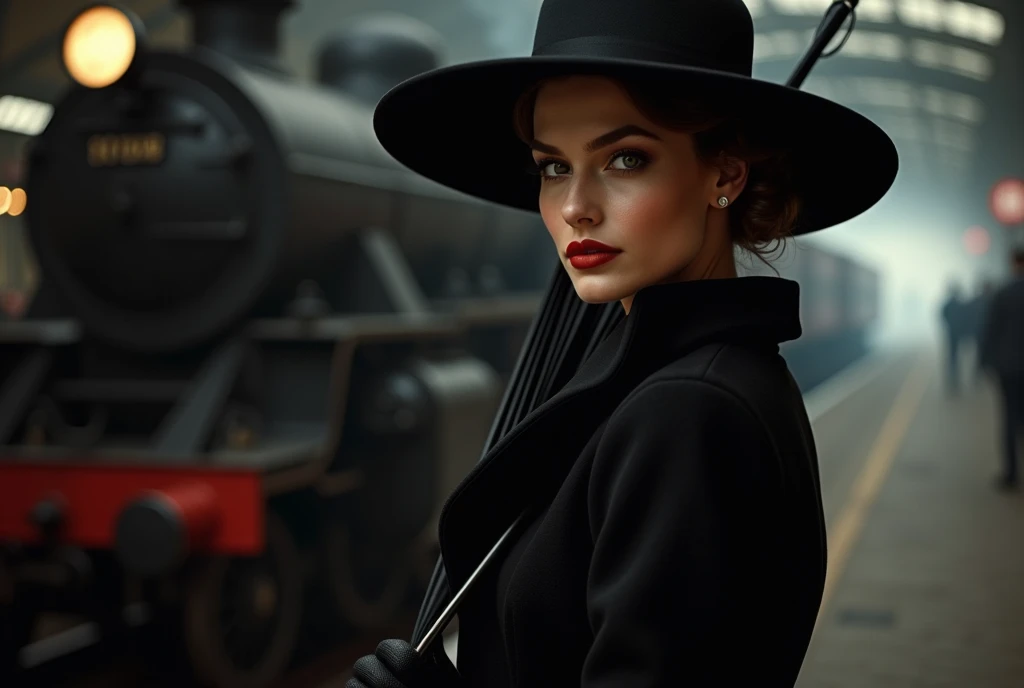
pixel 395 664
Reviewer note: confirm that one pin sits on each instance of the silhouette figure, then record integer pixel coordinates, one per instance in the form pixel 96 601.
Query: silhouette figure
pixel 1001 352
pixel 955 319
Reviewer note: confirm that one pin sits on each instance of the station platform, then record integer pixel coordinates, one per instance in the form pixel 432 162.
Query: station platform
pixel 926 562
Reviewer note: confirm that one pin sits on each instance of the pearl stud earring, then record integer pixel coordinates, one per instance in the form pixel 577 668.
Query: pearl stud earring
pixel 723 201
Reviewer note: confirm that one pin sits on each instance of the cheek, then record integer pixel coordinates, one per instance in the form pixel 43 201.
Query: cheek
pixel 659 211
pixel 551 214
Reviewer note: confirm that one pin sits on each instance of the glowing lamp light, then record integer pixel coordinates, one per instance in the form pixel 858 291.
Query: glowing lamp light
pixel 101 45
pixel 1007 201
pixel 19 199
pixel 12 201
pixel 977 241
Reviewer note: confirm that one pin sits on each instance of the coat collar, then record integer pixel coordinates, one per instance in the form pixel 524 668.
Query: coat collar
pixel 672 319
pixel 665 323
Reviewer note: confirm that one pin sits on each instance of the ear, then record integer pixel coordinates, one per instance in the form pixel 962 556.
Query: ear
pixel 732 179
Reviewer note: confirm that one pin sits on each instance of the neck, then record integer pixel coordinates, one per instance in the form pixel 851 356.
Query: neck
pixel 716 260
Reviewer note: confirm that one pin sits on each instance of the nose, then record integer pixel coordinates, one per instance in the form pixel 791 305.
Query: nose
pixel 581 206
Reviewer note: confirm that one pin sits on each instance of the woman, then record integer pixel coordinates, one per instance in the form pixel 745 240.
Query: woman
pixel 675 535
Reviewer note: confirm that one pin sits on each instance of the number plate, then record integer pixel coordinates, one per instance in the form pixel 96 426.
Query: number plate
pixel 126 150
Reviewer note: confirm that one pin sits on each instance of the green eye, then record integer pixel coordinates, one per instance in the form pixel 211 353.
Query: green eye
pixel 629 161
pixel 549 169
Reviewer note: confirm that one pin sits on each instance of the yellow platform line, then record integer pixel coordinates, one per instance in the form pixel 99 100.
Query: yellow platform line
pixel 848 526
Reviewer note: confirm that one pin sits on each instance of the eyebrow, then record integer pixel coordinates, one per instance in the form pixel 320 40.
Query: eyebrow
pixel 601 141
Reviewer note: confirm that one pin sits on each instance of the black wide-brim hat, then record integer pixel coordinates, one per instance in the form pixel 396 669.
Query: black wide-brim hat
pixel 455 125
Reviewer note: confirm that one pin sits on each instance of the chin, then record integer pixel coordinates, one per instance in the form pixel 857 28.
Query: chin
pixel 599 289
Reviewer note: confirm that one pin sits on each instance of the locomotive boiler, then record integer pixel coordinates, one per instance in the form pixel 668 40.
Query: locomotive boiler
pixel 250 366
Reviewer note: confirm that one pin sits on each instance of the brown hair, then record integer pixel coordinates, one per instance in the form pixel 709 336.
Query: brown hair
pixel 764 214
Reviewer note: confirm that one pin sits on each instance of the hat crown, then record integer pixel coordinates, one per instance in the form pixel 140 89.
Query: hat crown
pixel 709 34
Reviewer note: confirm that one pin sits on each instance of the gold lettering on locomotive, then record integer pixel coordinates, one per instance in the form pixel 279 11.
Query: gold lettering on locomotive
pixel 125 150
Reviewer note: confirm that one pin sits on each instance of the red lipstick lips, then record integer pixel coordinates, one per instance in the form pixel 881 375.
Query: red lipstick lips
pixel 588 253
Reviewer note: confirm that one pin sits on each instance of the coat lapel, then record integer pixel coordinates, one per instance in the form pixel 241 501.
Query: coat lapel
pixel 529 463
pixel 510 476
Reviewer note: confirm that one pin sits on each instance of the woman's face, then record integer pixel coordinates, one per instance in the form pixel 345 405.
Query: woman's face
pixel 610 175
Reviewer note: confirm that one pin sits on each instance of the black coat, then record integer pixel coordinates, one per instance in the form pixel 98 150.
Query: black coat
pixel 678 536
pixel 1001 348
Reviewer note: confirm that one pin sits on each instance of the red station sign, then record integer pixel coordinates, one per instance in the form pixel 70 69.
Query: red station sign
pixel 1006 201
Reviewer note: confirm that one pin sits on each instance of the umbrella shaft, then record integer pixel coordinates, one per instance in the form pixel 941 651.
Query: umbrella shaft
pixel 834 19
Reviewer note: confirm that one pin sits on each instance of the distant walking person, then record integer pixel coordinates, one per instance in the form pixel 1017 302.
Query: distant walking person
pixel 954 315
pixel 978 307
pixel 1002 354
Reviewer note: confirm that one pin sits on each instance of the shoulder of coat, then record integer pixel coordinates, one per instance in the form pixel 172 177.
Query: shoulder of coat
pixel 731 367
pixel 735 374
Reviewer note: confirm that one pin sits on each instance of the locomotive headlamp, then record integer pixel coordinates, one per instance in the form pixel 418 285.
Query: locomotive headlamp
pixel 101 45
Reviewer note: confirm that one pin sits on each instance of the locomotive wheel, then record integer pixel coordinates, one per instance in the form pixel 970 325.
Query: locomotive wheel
pixel 368 586
pixel 242 615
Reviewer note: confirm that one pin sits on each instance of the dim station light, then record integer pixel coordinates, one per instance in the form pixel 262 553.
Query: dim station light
pixel 977 241
pixel 1006 201
pixel 12 201
pixel 24 115
pixel 19 199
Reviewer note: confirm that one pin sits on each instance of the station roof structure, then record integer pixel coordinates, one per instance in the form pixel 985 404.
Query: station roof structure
pixel 945 78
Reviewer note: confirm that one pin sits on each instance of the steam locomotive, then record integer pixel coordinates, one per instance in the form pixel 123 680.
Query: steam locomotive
pixel 262 352
pixel 251 354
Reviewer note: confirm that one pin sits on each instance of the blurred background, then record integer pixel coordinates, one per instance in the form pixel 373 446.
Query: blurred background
pixel 942 78
pixel 217 292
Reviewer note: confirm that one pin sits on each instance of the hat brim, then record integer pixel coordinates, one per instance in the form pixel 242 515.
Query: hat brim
pixel 454 125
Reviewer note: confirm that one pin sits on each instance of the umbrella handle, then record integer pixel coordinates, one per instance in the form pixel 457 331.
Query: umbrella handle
pixel 834 18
